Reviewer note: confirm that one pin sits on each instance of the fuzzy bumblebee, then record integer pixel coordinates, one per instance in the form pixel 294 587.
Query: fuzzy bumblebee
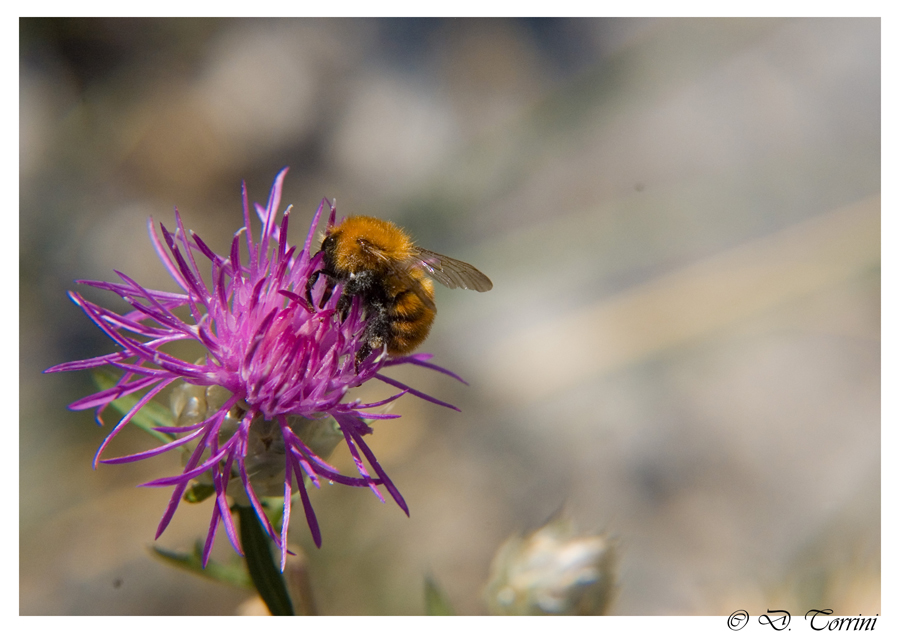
pixel 377 261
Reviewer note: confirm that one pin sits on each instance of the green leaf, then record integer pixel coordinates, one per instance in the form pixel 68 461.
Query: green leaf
pixel 265 575
pixel 151 415
pixel 234 573
pixel 436 602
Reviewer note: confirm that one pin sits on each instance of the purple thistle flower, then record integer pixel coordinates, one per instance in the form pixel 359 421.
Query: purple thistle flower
pixel 271 365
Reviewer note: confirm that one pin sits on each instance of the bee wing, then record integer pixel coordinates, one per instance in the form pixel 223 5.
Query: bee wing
pixel 399 270
pixel 452 272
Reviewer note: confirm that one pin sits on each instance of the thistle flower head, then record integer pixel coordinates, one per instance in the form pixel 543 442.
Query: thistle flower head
pixel 272 385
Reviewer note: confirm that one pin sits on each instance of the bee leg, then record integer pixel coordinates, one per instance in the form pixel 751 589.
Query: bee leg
pixel 370 344
pixel 313 278
pixel 343 304
pixel 361 283
pixel 362 354
pixel 326 295
pixel 378 329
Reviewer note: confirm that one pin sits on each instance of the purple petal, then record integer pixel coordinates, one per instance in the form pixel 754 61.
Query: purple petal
pixel 350 437
pixel 145 454
pixel 419 394
pixel 211 535
pixel 113 393
pixel 370 456
pixel 382 402
pixel 131 413
pixel 312 229
pixel 417 359
pixel 311 520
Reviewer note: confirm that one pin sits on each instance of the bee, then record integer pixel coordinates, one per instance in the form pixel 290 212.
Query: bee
pixel 377 261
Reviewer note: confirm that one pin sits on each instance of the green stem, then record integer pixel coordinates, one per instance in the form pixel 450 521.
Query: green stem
pixel 266 576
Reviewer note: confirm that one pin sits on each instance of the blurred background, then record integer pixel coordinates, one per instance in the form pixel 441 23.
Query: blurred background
pixel 681 219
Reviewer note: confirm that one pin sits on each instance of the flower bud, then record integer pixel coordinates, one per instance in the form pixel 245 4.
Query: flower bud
pixel 552 571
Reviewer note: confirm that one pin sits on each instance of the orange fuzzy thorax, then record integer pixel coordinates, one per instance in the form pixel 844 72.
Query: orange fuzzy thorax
pixel 386 236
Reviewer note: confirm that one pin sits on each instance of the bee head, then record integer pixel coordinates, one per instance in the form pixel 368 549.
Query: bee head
pixel 329 245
